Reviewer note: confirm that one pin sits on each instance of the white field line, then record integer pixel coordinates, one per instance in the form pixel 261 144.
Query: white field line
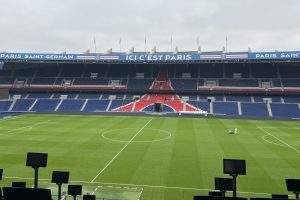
pixel 140 194
pixel 22 129
pixel 264 138
pixel 96 189
pixel 279 127
pixel 140 185
pixel 10 118
pixel 121 150
pixel 17 130
pixel 283 142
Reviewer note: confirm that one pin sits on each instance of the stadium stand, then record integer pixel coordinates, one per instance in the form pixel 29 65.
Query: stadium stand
pixel 232 89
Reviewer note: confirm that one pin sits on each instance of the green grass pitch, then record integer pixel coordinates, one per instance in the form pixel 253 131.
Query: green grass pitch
pixel 119 157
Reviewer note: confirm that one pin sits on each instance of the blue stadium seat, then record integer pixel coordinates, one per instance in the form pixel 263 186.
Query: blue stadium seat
pixel 292 99
pixel 242 98
pixel 4 105
pixel 89 96
pixel 96 105
pixel 227 108
pixel 23 104
pixel 285 110
pixel 71 105
pixel 39 95
pixel 183 84
pixel 254 109
pixel 45 105
pixel 139 84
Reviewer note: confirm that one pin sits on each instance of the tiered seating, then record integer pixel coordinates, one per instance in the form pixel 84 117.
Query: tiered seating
pixel 276 83
pixel 285 110
pixel 275 99
pixel 291 82
pixel 264 71
pixel 45 105
pixel 89 96
pixel 292 99
pixel 209 71
pixel 238 82
pixel 22 104
pixel 117 103
pixel 4 105
pixel 183 84
pixel 241 98
pixel 25 72
pixel 217 97
pixel 254 109
pixel 139 84
pixel 227 108
pixel 51 71
pixel 90 81
pixel 118 71
pixel 43 81
pixel 177 105
pixel 231 68
pixel 39 95
pixel 71 105
pixel 289 71
pixel 100 69
pixel 96 105
pixel 70 95
pixel 6 81
pixel 72 70
pixel 142 68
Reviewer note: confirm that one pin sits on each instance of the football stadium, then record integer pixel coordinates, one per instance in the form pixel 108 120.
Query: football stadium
pixel 151 125
pixel 149 100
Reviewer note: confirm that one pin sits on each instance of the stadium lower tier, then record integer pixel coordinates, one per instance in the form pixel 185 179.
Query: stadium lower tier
pixel 222 105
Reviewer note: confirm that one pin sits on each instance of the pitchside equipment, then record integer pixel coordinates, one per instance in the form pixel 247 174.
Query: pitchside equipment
pixel 74 190
pixel 293 185
pixel 36 160
pixel 223 185
pixel 15 193
pixel 18 184
pixel 234 168
pixel 59 178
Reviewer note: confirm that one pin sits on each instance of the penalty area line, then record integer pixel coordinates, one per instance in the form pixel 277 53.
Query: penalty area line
pixel 121 151
pixel 283 142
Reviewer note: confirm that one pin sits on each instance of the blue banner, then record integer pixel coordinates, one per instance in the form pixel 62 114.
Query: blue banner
pixel 152 57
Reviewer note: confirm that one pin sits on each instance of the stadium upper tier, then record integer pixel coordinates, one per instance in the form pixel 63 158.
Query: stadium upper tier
pixel 182 77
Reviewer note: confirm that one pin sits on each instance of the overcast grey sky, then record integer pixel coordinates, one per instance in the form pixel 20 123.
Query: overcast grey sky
pixel 70 25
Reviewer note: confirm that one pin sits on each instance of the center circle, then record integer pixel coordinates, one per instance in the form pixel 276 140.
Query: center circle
pixel 150 135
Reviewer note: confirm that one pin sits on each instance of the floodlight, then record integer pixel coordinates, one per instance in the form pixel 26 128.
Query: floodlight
pixel 36 160
pixel 89 197
pixel 234 168
pixel 74 190
pixel 293 185
pixel 59 178
pixel 18 184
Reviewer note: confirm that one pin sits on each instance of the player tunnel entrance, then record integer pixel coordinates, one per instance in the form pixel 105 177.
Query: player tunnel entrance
pixel 158 107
